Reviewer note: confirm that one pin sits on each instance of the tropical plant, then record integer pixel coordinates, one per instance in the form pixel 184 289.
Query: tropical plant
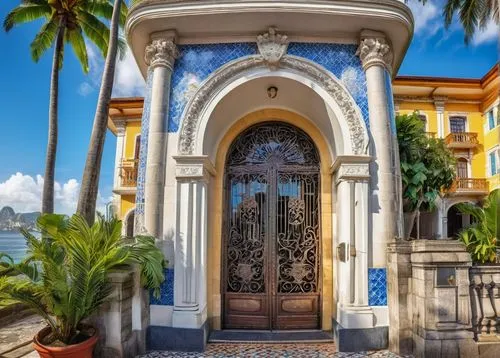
pixel 90 181
pixel 481 238
pixel 427 168
pixel 64 278
pixel 474 15
pixel 65 22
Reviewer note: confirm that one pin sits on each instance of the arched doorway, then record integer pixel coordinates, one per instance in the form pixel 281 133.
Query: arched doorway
pixel 457 221
pixel 271 259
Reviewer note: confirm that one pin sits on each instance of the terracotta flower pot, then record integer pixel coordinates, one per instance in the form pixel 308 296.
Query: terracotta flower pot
pixel 80 350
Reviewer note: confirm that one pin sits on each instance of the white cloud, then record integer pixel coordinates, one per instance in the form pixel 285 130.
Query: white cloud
pixel 24 194
pixel 489 34
pixel 128 79
pixel 85 89
pixel 428 19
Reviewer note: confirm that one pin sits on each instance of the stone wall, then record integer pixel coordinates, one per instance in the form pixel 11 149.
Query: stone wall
pixel 429 299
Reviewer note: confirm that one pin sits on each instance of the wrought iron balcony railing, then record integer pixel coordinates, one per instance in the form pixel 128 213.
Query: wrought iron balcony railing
pixel 469 186
pixel 462 140
pixel 128 172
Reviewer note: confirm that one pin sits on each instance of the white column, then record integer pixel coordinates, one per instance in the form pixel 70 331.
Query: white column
pixel 160 56
pixel 439 105
pixel 190 292
pixel 376 57
pixel 352 179
pixel 120 144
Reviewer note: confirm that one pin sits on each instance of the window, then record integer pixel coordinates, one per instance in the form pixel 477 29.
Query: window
pixel 137 147
pixel 423 118
pixel 462 171
pixel 494 162
pixel 457 124
pixel 491 119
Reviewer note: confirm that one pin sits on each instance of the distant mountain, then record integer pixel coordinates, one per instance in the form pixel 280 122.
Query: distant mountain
pixel 10 220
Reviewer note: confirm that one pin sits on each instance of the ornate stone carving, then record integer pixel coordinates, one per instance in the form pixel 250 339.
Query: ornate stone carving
pixel 375 51
pixel 194 109
pixel 190 120
pixel 358 172
pixel 339 94
pixel 161 52
pixel 272 46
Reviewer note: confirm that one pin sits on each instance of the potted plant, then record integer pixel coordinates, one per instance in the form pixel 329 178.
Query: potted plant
pixel 64 278
pixel 481 238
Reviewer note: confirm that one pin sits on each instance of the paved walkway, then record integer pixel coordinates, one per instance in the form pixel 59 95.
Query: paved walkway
pixel 270 351
pixel 18 336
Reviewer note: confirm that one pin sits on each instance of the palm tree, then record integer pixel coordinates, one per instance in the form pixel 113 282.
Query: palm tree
pixel 474 14
pixel 90 181
pixel 66 22
pixel 481 238
pixel 65 276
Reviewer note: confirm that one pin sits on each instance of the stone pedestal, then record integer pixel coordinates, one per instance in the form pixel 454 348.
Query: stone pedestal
pixel 439 300
pixel 114 320
pixel 398 283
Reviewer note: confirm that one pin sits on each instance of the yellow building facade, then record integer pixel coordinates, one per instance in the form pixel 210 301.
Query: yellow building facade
pixel 465 113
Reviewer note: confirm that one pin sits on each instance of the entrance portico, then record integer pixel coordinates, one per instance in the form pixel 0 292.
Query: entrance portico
pixel 201 99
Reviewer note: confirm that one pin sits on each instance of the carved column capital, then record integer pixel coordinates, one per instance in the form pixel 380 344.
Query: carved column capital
pixel 161 52
pixel 374 49
pixel 272 46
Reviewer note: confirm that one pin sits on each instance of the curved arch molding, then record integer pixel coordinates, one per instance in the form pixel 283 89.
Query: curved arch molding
pixel 238 68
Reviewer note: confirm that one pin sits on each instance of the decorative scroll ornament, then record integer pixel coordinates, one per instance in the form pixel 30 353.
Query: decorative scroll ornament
pixel 272 46
pixel 195 108
pixel 161 52
pixel 375 51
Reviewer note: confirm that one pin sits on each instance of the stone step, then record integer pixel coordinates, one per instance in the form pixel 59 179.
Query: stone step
pixel 245 336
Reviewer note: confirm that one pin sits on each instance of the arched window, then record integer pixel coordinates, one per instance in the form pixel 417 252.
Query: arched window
pixel 137 147
pixel 130 224
pixel 462 170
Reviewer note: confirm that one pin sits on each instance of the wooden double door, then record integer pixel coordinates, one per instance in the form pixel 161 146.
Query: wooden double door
pixel 271 260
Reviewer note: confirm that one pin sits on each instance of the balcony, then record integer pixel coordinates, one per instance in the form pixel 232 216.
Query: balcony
pixel 462 140
pixel 469 186
pixel 128 173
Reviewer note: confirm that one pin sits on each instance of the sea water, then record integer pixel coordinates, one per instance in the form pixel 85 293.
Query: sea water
pixel 13 244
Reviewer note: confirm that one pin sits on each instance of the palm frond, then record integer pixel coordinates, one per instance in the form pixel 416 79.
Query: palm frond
pixel 75 38
pixel 26 13
pixel 95 30
pixel 44 39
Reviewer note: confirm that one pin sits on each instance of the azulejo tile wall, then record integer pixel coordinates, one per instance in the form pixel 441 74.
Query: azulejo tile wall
pixel 377 286
pixel 143 150
pixel 166 290
pixel 197 62
pixel 341 60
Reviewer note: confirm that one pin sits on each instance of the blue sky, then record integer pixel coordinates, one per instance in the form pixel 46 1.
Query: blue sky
pixel 24 102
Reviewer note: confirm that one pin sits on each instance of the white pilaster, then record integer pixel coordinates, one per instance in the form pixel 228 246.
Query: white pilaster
pixel 160 56
pixel 376 57
pixel 352 176
pixel 439 105
pixel 190 293
pixel 120 145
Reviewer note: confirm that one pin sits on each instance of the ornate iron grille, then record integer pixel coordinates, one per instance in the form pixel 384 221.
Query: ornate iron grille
pixel 272 221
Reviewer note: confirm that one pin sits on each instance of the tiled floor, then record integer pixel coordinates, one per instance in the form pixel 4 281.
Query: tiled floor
pixel 270 351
